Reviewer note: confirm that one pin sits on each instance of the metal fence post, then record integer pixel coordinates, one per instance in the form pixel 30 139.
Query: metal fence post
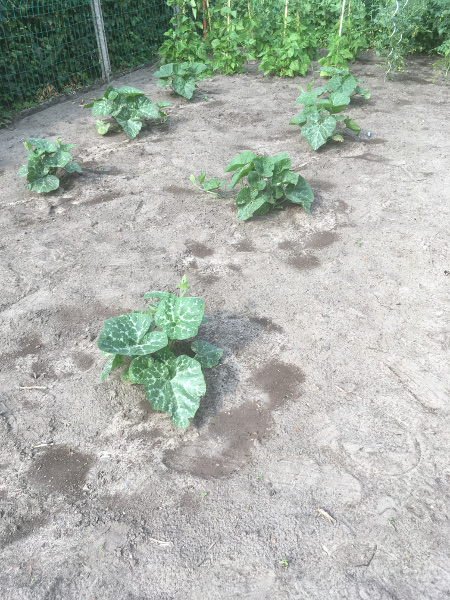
pixel 97 15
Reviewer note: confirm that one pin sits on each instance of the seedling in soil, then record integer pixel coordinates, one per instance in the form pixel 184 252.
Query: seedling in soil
pixel 43 161
pixel 317 119
pixel 144 342
pixel 284 563
pixel 127 106
pixel 212 186
pixel 269 183
pixel 181 76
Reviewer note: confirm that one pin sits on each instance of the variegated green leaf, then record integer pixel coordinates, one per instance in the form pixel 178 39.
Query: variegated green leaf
pixel 207 354
pixel 300 193
pixel 129 335
pixel 73 167
pixel 174 387
pixel 44 184
pixel 179 317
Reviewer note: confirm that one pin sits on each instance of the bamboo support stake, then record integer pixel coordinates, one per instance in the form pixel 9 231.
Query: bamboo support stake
pixel 209 15
pixel 342 18
pixel 249 16
pixel 228 16
pixel 285 17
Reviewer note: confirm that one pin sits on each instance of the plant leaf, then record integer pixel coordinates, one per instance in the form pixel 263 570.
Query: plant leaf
pixel 43 144
pixel 44 184
pixel 174 387
pixel 129 91
pixel 206 354
pixel 213 184
pixel 240 160
pixel 131 126
pixel 102 107
pixel 129 335
pixel 184 86
pixel 114 362
pixel 102 127
pixel 73 167
pixel 350 124
pixel 316 134
pixel 59 159
pixel 23 171
pixel 364 92
pixel 179 317
pixel 300 193
pixel 249 201
pixel 146 107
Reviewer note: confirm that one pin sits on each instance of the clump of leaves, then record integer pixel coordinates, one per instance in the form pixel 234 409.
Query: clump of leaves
pixel 266 183
pixel 319 117
pixel 127 106
pixel 181 76
pixel 144 342
pixel 347 40
pixel 5 118
pixel 183 42
pixel 442 65
pixel 211 186
pixel 287 59
pixel 43 161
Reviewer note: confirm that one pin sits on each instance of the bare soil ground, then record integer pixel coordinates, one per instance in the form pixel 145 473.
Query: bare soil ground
pixel 323 438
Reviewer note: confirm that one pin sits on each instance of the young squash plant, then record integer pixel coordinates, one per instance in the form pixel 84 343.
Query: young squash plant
pixel 144 342
pixel 127 106
pixel 319 117
pixel 266 183
pixel 43 161
pixel 182 77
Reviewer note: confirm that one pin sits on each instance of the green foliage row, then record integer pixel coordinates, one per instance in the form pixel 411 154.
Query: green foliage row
pixel 287 34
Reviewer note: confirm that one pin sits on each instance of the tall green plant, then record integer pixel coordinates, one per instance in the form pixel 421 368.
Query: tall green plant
pixel 292 46
pixel 184 41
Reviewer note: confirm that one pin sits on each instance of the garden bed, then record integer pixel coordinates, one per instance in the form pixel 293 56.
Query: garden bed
pixel 317 464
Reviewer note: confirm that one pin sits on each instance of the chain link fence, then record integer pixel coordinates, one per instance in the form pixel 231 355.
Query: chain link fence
pixel 48 47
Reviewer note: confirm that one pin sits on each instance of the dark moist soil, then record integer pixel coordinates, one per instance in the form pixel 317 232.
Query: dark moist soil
pixel 323 438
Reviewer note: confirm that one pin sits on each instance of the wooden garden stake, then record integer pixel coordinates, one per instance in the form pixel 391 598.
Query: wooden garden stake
pixel 249 16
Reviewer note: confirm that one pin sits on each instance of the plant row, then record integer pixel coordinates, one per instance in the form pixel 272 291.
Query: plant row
pixel 129 110
pixel 145 344
pixel 286 35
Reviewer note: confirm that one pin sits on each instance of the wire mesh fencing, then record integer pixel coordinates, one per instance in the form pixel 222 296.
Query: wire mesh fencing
pixel 49 47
